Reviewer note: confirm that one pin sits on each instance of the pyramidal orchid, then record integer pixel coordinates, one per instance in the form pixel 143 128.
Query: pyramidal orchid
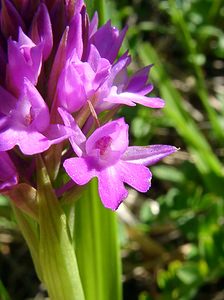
pixel 61 83
pixel 106 155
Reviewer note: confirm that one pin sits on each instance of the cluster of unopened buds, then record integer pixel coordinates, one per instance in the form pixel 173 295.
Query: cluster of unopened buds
pixel 61 84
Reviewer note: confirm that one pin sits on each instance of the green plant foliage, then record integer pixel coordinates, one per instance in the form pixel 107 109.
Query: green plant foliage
pixel 184 215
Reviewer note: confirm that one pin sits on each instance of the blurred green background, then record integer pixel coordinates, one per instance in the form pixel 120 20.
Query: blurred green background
pixel 172 239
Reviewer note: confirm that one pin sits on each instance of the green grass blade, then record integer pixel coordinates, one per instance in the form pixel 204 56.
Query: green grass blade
pixel 190 47
pixel 97 247
pixel 99 6
pixel 3 292
pixel 206 161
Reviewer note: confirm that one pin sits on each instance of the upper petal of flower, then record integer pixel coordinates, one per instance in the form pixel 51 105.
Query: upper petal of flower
pixel 108 143
pixel 79 80
pixel 24 60
pixel 138 82
pixel 77 138
pixel 108 40
pixel 93 24
pixel 10 19
pixel 71 89
pixel 75 41
pixel 41 30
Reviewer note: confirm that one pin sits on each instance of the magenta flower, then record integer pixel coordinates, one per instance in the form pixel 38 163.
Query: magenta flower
pixel 79 80
pixel 59 67
pixel 26 122
pixel 108 157
pixel 93 75
pixel 24 60
pixel 61 81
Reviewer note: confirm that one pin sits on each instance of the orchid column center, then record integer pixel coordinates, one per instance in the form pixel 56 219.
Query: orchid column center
pixel 103 144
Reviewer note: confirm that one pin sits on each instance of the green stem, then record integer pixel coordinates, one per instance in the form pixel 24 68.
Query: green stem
pixel 29 231
pixel 99 6
pixel 56 252
pixel 97 247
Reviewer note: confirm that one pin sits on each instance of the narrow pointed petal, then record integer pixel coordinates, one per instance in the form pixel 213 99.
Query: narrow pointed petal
pixel 73 7
pixel 10 20
pixel 93 24
pixel 77 138
pixel 131 99
pixel 137 176
pixel 138 82
pixel 24 60
pixel 71 90
pixel 39 111
pixel 147 155
pixel 112 40
pixel 111 188
pixel 118 132
pixel 81 170
pixel 58 64
pixel 75 37
pixel 98 64
pixel 41 31
pixel 57 133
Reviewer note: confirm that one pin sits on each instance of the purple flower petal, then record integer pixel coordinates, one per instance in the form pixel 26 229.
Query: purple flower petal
pixel 7 102
pixel 100 66
pixel 38 110
pixel 138 82
pixel 41 31
pixel 58 65
pixel 71 89
pixel 32 142
pixel 73 7
pixel 81 170
pixel 27 123
pixel 10 19
pixel 75 41
pixel 112 40
pixel 131 99
pixel 137 176
pixel 56 133
pixel 111 140
pixel 111 188
pixel 8 137
pixel 8 174
pixel 77 138
pixel 93 24
pixel 147 155
pixel 24 60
